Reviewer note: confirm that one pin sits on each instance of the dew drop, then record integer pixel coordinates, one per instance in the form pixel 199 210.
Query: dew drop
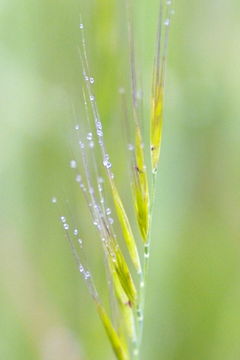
pixel 80 242
pixel 54 200
pixel 78 178
pixel 66 226
pixel 91 80
pixel 75 232
pixel 87 275
pixel 99 133
pixel 91 144
pixel 81 26
pixel 108 211
pixel 73 164
pixel 130 147
pixel 81 269
pixel 63 219
pixel 77 127
pixel 92 98
pixel 99 125
pixel 107 164
pixel 89 136
pixel 82 146
pixel 111 221
pixel 167 22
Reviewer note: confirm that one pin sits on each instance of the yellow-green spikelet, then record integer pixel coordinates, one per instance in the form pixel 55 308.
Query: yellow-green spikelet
pixel 156 125
pixel 140 187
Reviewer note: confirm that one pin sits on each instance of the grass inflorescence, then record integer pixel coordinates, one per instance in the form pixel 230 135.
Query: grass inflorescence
pixel 126 273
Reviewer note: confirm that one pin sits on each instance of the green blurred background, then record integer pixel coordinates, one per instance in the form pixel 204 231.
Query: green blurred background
pixel 194 289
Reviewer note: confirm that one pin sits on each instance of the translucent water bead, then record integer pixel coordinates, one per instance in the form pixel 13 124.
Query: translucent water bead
pixel 106 162
pixel 54 200
pixel 65 226
pixel 167 22
pixel 89 136
pixel 81 26
pixel 78 178
pixel 73 164
pixel 108 211
pixel 91 80
pixel 75 232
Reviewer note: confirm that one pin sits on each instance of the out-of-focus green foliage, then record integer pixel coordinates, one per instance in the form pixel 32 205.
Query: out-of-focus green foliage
pixel 194 292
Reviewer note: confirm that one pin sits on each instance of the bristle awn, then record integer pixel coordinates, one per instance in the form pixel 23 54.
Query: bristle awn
pixel 158 87
pixel 122 216
pixel 140 179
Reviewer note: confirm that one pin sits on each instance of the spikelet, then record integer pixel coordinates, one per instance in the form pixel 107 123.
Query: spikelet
pixel 156 124
pixel 140 187
pixel 140 179
pixel 126 227
pixel 116 342
pixel 121 274
pixel 126 307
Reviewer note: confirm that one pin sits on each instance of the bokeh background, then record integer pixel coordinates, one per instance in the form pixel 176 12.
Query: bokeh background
pixel 194 288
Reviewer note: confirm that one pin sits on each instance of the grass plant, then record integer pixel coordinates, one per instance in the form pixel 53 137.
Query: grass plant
pixel 126 266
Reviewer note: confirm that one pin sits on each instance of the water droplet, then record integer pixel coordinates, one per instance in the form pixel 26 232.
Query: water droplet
pixel 86 78
pixel 167 22
pixel 142 284
pixel 73 164
pixel 99 133
pixel 81 269
pixel 91 80
pixel 81 26
pixel 80 242
pixel 99 125
pixel 108 211
pixel 91 144
pixel 54 200
pixel 77 127
pixel 75 232
pixel 63 219
pixel 107 164
pixel 89 136
pixel 92 98
pixel 168 2
pixel 111 221
pixel 82 146
pixel 154 171
pixel 130 147
pixel 100 180
pixel 78 178
pixel 87 275
pixel 66 226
